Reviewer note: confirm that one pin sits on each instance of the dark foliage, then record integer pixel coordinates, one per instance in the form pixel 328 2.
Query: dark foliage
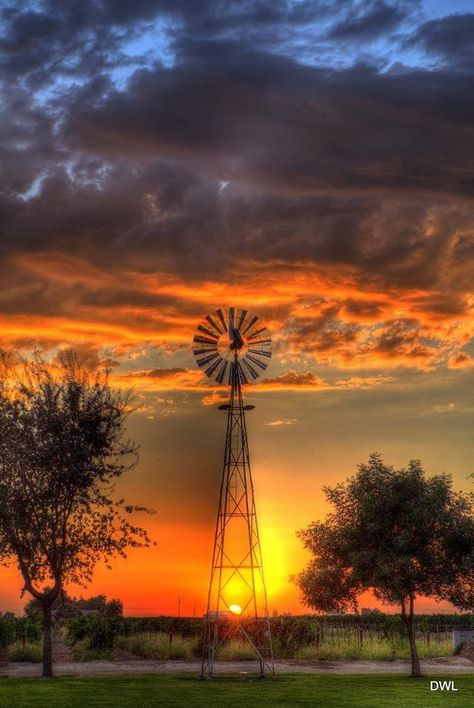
pixel 67 607
pixel 62 447
pixel 396 533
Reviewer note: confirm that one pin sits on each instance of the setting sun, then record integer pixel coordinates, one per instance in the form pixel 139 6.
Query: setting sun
pixel 235 609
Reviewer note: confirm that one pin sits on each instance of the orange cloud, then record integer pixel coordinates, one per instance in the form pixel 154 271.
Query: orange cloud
pixel 332 314
pixel 277 423
pixel 175 379
pixel 162 380
pixel 292 379
pixel 307 381
pixel 364 381
pixel 214 399
pixel 461 360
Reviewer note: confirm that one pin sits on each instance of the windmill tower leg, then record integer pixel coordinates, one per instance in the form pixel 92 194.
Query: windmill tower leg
pixel 237 565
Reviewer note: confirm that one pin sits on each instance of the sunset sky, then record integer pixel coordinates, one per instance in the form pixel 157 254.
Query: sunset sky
pixel 309 159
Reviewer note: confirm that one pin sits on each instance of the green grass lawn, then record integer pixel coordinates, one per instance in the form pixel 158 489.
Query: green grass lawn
pixel 189 692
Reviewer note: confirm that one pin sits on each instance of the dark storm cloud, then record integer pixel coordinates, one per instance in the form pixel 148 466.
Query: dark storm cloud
pixel 44 40
pixel 400 339
pixel 68 38
pixel 343 161
pixel 448 38
pixel 364 309
pixel 370 20
pixel 442 304
pixel 65 39
pixel 322 335
pixel 163 217
pixel 279 125
pixel 26 141
pixel 233 151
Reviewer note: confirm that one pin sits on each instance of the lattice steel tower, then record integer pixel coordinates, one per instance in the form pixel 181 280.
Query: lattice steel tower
pixel 234 348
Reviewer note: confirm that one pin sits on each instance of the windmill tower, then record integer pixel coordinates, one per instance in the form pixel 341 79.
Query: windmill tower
pixel 233 348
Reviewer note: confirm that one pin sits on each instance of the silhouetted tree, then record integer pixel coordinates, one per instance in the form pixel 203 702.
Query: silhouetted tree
pixel 62 447
pixel 396 533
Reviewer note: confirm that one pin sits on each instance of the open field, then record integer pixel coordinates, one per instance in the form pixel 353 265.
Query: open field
pixel 189 692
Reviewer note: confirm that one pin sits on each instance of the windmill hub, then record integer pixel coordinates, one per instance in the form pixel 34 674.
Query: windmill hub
pixel 229 345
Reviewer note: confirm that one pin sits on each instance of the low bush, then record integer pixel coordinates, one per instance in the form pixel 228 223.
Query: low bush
pixel 150 645
pixel 376 649
pixel 7 631
pixel 182 626
pixel 100 631
pixel 83 651
pixel 236 650
pixel 28 651
pixel 292 633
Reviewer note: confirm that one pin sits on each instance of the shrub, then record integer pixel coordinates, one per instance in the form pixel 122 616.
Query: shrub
pixel 236 650
pixel 292 633
pixel 151 645
pixel 29 651
pixel 7 631
pixel 29 629
pixel 99 630
pixel 103 633
pixel 82 651
pixel 373 648
pixel 182 626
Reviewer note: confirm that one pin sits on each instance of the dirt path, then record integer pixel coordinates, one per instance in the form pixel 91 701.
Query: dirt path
pixel 433 667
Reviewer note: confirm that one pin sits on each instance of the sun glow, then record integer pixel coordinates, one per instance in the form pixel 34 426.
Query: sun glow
pixel 235 609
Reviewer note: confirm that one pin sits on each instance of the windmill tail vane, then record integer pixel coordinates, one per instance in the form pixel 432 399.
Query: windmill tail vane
pixel 233 347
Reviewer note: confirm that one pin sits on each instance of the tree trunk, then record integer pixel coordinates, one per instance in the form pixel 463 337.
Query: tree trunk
pixel 408 619
pixel 47 639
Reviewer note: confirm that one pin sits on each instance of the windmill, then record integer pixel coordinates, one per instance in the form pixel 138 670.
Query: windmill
pixel 233 348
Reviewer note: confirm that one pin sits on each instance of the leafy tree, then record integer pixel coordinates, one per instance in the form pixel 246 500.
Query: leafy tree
pixel 62 447
pixel 396 533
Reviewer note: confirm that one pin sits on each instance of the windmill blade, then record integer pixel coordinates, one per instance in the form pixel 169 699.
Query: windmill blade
pixel 261 364
pixel 213 367
pixel 260 352
pixel 250 325
pixel 208 332
pixel 215 325
pixel 204 340
pixel 231 318
pixel 221 317
pixel 208 350
pixel 222 370
pixel 266 342
pixel 243 315
pixel 241 374
pixel 253 373
pixel 255 334
pixel 207 359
